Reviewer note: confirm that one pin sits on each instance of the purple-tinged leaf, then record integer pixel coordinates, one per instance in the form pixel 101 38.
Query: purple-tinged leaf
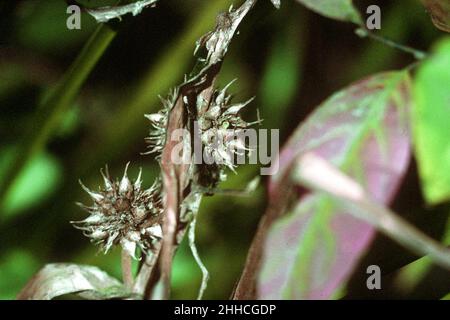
pixel 319 175
pixel 362 130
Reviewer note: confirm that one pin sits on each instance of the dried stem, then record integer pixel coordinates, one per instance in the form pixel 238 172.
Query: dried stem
pixel 310 172
pixel 144 277
pixel 127 272
pixel 246 287
pixel 205 273
pixel 178 180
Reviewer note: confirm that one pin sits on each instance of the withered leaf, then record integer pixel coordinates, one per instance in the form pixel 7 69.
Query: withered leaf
pixel 59 279
pixel 440 13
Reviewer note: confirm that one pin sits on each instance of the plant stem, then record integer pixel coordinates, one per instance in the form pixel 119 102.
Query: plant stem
pixel 419 55
pixel 54 105
pixel 127 273
pixel 353 197
pixel 203 269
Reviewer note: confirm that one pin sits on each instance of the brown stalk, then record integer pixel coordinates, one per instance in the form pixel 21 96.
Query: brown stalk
pixel 245 289
pixel 180 181
pixel 127 273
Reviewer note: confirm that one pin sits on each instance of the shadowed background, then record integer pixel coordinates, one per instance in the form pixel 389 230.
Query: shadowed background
pixel 290 59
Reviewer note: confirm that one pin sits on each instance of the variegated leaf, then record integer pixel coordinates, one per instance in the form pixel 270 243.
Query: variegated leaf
pixel 363 130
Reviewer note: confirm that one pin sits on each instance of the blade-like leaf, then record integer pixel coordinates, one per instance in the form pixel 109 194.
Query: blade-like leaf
pixel 335 9
pixel 430 124
pixel 440 13
pixel 363 130
pixel 59 279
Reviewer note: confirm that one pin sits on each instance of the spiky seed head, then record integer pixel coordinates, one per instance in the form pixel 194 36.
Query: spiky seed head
pixel 157 136
pixel 123 213
pixel 220 127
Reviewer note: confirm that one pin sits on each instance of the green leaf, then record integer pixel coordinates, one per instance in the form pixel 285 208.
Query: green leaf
pixel 336 9
pixel 36 182
pixel 53 106
pixel 430 122
pixel 43 27
pixel 16 266
pixel 59 279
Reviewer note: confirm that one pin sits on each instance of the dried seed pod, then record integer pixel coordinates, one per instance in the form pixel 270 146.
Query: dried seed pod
pixel 221 132
pixel 157 136
pixel 221 129
pixel 123 213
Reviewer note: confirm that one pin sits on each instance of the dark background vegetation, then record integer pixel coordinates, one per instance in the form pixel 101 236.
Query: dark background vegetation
pixel 290 59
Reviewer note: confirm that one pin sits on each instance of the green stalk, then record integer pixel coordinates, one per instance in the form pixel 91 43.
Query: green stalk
pixel 55 103
pixel 408 278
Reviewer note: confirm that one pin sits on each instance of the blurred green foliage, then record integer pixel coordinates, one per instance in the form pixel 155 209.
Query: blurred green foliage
pixel 38 180
pixel 290 59
pixel 431 129
pixel 37 27
pixel 17 266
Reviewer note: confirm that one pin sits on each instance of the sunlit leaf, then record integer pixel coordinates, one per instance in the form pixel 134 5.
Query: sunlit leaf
pixel 440 13
pixel 430 124
pixel 363 130
pixel 336 9
pixel 59 279
pixel 38 180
